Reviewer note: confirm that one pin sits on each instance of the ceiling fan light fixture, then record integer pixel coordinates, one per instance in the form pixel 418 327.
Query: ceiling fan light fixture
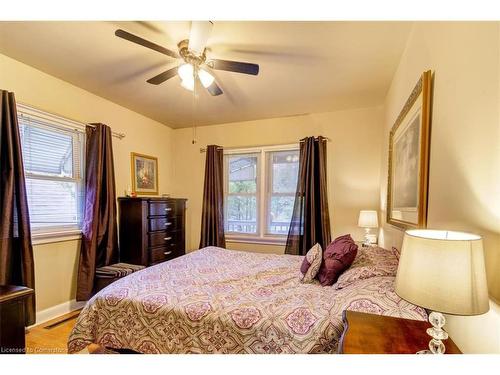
pixel 206 78
pixel 188 84
pixel 185 71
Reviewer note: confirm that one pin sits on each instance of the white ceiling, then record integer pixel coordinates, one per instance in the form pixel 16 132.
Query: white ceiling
pixel 305 67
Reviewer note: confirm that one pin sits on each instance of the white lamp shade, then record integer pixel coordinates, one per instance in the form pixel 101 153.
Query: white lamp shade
pixel 185 71
pixel 205 77
pixel 443 271
pixel 368 219
pixel 188 84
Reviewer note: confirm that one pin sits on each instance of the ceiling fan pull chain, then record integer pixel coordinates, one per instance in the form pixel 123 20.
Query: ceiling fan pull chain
pixel 195 92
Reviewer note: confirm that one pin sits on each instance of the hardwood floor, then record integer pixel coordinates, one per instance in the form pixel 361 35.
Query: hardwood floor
pixel 51 337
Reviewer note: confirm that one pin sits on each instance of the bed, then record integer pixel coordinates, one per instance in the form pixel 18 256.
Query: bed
pixel 223 301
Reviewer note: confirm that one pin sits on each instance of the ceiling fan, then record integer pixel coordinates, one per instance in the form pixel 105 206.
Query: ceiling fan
pixel 194 64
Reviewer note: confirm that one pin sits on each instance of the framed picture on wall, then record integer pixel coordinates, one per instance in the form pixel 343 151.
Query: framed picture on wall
pixel 144 174
pixel 409 143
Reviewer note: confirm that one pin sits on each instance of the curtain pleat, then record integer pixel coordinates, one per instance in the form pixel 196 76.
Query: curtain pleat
pixel 310 222
pixel 212 216
pixel 99 245
pixel 16 250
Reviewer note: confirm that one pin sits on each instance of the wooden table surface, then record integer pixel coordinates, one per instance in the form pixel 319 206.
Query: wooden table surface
pixel 376 334
pixel 12 292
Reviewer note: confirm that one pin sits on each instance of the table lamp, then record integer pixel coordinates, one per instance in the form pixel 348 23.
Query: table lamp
pixel 442 271
pixel 368 219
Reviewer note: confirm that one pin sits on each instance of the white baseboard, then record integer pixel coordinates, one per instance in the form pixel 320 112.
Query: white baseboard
pixel 53 312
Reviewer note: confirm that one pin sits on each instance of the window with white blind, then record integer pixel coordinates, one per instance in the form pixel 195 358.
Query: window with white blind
pixel 259 192
pixel 53 164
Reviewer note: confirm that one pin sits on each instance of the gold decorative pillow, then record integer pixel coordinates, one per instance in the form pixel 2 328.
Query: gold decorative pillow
pixel 311 264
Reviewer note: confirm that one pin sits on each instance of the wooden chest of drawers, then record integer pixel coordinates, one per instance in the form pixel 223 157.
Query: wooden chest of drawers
pixel 152 230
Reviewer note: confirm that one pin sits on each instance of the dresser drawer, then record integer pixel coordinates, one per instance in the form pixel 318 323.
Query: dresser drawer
pixel 162 254
pixel 156 224
pixel 161 238
pixel 176 242
pixel 173 224
pixel 168 224
pixel 157 238
pixel 165 208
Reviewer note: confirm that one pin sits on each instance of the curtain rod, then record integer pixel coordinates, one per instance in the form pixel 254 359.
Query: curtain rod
pixel 36 112
pixel 203 149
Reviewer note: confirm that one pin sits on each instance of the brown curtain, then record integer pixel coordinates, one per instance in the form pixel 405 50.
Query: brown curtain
pixel 212 215
pixel 99 235
pixel 16 250
pixel 310 219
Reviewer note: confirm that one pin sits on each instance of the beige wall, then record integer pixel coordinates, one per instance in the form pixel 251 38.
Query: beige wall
pixel 464 186
pixel 353 162
pixel 56 263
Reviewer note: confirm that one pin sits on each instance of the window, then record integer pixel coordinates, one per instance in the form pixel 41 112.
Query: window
pixel 241 196
pixel 259 192
pixel 284 169
pixel 52 156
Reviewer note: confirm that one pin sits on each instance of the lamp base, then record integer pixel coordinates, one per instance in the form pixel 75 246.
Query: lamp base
pixel 367 242
pixel 424 352
pixel 437 333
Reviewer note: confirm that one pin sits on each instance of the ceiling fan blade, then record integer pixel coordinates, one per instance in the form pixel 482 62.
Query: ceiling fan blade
pixel 198 37
pixel 214 89
pixel 145 43
pixel 162 77
pixel 234 66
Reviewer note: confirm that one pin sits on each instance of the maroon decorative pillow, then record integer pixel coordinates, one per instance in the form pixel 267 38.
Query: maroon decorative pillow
pixel 337 257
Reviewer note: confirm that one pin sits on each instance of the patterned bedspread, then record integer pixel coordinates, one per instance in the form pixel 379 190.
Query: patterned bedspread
pixel 221 301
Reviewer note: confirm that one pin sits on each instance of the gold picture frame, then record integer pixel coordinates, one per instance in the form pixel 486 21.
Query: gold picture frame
pixel 409 146
pixel 144 174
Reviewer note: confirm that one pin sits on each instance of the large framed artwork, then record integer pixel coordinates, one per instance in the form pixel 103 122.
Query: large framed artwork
pixel 144 174
pixel 409 142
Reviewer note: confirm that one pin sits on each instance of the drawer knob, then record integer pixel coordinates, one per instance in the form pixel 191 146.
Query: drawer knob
pixel 167 224
pixel 167 252
pixel 167 238
pixel 168 209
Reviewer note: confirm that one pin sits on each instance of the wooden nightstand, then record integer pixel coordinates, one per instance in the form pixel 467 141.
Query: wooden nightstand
pixel 377 334
pixel 12 300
